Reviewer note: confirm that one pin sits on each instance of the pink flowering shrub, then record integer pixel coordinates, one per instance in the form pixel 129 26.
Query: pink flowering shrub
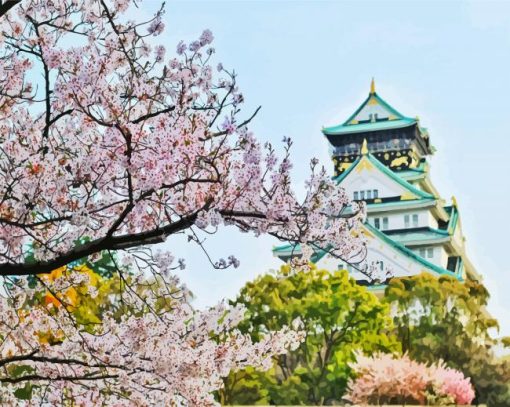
pixel 384 378
pixel 453 383
pixel 389 379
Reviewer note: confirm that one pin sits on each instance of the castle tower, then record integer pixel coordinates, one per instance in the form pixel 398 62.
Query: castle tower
pixel 380 157
pixel 397 141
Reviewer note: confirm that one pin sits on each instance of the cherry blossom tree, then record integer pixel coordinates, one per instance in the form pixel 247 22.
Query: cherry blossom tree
pixel 158 358
pixel 109 146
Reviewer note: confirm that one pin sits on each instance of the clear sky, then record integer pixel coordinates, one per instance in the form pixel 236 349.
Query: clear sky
pixel 309 64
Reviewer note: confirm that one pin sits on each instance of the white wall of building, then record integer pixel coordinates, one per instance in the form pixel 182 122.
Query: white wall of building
pixel 398 220
pixel 367 177
pixel 434 254
pixel 398 263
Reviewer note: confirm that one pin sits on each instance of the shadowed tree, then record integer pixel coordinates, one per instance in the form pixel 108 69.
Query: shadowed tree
pixel 442 318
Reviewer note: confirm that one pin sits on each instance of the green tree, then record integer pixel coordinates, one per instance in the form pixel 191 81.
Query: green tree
pixel 443 318
pixel 338 318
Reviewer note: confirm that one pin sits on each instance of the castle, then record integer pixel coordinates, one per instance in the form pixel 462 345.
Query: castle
pixel 380 157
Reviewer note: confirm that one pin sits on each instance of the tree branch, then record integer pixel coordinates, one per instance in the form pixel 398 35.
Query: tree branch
pixel 6 5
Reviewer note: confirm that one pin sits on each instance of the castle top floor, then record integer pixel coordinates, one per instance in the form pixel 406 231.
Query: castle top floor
pixel 396 140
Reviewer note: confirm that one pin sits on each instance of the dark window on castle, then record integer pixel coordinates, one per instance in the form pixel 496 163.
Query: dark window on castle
pixel 452 263
pixel 415 220
pixel 356 197
pixel 375 193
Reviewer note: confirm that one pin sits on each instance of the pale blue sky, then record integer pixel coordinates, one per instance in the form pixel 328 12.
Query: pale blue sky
pixel 309 64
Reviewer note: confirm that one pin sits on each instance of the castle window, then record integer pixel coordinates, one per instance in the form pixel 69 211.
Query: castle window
pixel 377 223
pixel 406 221
pixel 375 193
pixel 381 265
pixel 369 194
pixel 356 197
pixel 415 220
pixel 385 223
pixel 430 252
pixel 422 252
pixel 361 195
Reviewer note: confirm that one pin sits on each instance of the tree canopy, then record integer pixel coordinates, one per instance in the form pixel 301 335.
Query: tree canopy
pixel 445 319
pixel 338 318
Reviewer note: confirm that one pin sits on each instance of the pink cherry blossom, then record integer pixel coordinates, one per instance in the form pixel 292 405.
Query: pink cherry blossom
pixel 150 359
pixel 107 148
pixel 125 154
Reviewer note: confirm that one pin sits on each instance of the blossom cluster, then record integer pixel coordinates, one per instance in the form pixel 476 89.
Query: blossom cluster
pixel 174 357
pixel 107 139
pixel 110 145
pixel 390 379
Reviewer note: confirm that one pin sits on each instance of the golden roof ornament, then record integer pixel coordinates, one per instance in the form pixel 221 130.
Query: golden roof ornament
pixel 364 147
pixel 372 86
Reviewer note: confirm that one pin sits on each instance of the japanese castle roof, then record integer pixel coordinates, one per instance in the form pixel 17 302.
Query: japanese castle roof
pixel 412 174
pixel 290 250
pixel 373 114
pixel 453 212
pixel 419 236
pixel 409 253
pixel 375 207
pixel 365 155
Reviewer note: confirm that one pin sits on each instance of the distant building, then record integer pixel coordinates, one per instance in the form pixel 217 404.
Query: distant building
pixel 380 157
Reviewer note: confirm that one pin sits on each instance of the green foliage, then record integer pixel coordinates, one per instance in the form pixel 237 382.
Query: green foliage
pixel 25 392
pixel 339 318
pixel 247 387
pixel 442 318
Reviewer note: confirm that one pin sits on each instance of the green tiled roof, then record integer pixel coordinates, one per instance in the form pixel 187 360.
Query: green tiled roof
pixel 413 173
pixel 365 127
pixel 416 235
pixel 393 119
pixel 408 252
pixel 295 249
pixel 400 205
pixel 396 204
pixel 454 218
